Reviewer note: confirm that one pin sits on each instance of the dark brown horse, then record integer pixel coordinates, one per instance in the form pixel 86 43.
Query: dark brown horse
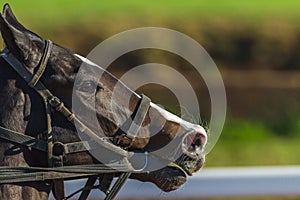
pixel 22 110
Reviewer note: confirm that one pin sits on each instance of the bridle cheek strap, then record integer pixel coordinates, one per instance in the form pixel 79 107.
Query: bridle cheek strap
pixel 125 136
pixel 42 65
pixel 139 117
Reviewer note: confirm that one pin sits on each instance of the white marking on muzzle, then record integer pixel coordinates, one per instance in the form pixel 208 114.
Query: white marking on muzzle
pixel 186 125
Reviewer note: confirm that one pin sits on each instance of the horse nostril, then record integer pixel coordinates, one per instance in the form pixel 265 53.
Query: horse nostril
pixel 197 142
pixel 202 135
pixel 193 143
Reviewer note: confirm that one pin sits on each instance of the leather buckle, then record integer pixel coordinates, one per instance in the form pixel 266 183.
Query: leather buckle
pixel 58 151
pixel 122 140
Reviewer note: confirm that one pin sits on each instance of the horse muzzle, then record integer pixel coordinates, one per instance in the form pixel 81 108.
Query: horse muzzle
pixel 193 156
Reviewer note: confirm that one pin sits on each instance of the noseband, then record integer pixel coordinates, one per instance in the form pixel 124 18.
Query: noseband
pixel 52 102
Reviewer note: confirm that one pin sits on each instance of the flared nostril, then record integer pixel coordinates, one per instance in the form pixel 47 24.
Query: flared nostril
pixel 201 135
pixel 199 140
pixel 193 143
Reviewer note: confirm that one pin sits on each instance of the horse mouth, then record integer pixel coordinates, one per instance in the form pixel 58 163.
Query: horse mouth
pixel 189 162
pixel 175 174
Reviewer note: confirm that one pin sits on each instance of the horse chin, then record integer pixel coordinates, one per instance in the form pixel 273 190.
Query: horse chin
pixel 167 179
pixel 174 175
pixel 170 178
pixel 190 164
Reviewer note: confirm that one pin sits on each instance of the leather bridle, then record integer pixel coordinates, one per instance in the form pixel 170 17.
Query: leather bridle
pixel 56 150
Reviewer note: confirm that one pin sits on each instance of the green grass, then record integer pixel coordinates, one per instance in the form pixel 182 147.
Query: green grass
pixel 251 143
pixel 272 151
pixel 69 9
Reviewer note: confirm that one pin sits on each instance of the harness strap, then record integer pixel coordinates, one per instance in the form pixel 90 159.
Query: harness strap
pixel 85 191
pixel 117 186
pixel 27 174
pixel 76 147
pixel 41 145
pixel 25 140
pixel 49 135
pixel 126 136
pixel 106 180
pixel 89 184
pixel 57 158
pixel 43 63
pixel 58 189
pixel 139 117
pixel 110 194
pixel 58 105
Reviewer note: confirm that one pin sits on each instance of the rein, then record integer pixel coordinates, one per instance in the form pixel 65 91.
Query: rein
pixel 56 150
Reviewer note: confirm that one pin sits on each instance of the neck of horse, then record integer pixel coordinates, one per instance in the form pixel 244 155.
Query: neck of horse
pixel 14 115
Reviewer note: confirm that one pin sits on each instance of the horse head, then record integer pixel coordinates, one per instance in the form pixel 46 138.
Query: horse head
pixel 159 128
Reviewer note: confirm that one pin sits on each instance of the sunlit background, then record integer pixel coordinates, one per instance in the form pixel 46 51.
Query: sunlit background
pixel 255 44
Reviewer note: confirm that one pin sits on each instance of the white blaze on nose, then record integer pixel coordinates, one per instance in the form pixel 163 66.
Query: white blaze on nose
pixel 186 125
pixel 87 61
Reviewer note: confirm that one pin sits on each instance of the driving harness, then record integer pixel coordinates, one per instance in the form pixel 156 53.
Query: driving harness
pixel 56 151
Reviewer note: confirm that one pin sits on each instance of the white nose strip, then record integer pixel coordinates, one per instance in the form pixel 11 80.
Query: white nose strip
pixel 187 125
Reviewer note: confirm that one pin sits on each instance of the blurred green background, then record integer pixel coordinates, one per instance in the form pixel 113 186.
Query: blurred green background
pixel 255 44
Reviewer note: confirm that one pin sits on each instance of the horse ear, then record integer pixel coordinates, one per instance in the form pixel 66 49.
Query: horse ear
pixel 20 41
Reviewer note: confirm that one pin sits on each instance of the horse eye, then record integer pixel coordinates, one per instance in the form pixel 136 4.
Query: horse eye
pixel 88 87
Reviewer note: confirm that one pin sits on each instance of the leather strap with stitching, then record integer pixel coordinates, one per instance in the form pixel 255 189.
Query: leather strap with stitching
pixel 43 63
pixel 125 136
pixel 41 145
pixel 139 117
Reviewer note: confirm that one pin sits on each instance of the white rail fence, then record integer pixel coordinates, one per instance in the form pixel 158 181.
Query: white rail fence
pixel 219 182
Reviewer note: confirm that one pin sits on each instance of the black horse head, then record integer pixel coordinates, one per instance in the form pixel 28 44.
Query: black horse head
pixel 22 109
